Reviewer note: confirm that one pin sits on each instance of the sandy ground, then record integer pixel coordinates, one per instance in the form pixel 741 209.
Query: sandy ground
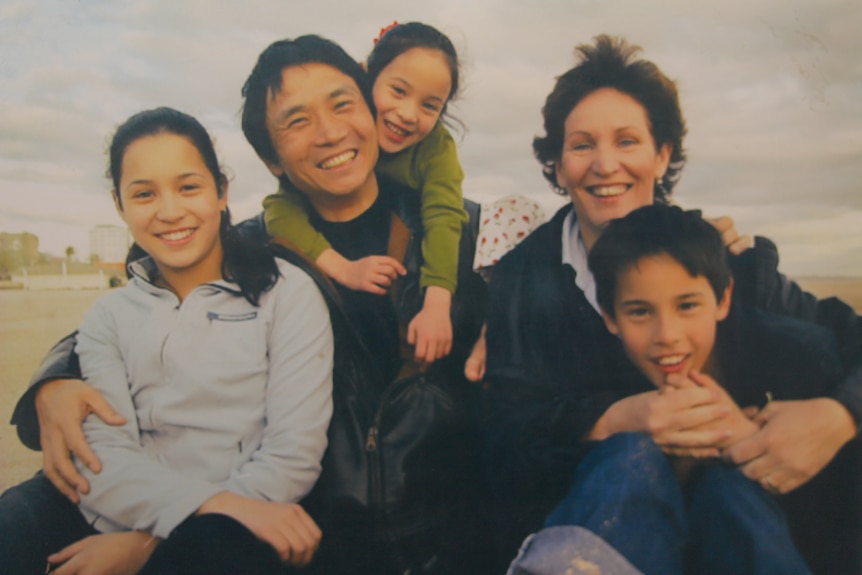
pixel 31 322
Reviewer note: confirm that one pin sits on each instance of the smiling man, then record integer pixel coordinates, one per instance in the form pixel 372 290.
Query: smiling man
pixel 397 465
pixel 309 115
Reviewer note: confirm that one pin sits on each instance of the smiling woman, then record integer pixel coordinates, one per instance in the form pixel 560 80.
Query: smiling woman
pixel 172 206
pixel 610 163
pixel 218 360
pixel 577 436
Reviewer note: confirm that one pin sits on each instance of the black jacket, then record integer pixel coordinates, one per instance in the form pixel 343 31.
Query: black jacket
pixel 553 368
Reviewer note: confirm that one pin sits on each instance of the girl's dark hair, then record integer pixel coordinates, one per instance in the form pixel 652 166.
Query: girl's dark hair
pixel 248 264
pixel 610 63
pixel 403 37
pixel 653 230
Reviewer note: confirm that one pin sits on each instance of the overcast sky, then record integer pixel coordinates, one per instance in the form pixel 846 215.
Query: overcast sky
pixel 771 90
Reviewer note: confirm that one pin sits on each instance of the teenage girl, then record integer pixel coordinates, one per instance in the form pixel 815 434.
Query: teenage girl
pixel 218 357
pixel 414 73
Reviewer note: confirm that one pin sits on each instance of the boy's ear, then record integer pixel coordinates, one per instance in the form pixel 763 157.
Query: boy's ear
pixel 724 304
pixel 610 323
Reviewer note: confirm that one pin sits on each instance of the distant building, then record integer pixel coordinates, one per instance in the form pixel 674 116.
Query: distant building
pixel 17 251
pixel 109 244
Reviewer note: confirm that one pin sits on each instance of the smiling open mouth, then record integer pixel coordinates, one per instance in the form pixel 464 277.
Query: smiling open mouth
pixel 397 130
pixel 177 235
pixel 670 360
pixel 338 160
pixel 608 191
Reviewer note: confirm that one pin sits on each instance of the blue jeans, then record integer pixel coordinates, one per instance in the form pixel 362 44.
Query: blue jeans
pixel 625 491
pixel 571 550
pixel 36 520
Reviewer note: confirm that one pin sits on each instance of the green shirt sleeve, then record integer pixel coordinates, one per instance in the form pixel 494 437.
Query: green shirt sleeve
pixel 432 166
pixel 286 215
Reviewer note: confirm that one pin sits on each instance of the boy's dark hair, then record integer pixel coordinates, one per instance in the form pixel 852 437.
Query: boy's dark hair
pixel 654 230
pixel 610 63
pixel 251 266
pixel 403 37
pixel 265 79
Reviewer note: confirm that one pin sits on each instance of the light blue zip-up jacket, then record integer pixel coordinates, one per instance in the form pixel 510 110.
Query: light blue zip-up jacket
pixel 217 395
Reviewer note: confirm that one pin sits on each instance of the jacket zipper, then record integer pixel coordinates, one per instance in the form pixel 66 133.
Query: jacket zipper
pixel 375 452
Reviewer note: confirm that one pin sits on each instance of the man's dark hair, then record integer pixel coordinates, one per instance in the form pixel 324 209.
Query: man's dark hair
pixel 654 230
pixel 265 81
pixel 611 63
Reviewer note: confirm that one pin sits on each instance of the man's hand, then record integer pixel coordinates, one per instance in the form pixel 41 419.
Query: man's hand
pixel 430 331
pixel 474 367
pixel 62 404
pixel 285 526
pixel 688 419
pixel 373 274
pixel 105 554
pixel 796 441
pixel 731 238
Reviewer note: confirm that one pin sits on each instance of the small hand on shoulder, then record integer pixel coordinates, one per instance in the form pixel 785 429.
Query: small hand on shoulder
pixel 731 238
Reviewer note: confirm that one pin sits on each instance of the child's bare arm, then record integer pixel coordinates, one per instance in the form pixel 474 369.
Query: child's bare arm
pixel 372 274
pixel 431 330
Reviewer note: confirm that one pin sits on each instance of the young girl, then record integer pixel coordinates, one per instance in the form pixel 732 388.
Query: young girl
pixel 414 73
pixel 218 357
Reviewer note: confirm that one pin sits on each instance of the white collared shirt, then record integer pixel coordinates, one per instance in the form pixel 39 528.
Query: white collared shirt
pixel 575 254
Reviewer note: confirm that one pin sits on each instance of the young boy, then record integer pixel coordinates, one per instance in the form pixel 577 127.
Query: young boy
pixel 665 289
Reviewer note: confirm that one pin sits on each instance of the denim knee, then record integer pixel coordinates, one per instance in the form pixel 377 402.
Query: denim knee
pixel 633 455
pixel 36 520
pixel 729 511
pixel 623 489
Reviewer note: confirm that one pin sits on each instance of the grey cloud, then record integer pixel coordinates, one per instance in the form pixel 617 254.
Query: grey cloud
pixel 770 89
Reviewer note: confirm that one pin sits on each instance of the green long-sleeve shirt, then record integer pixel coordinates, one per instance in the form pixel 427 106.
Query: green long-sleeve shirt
pixel 431 167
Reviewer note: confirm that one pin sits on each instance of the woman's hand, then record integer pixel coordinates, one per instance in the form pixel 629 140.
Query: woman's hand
pixel 731 238
pixel 686 420
pixel 430 331
pixel 795 441
pixel 285 526
pixel 105 554
pixel 474 367
pixel 61 405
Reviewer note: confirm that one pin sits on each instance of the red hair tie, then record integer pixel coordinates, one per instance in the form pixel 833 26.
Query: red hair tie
pixel 384 30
